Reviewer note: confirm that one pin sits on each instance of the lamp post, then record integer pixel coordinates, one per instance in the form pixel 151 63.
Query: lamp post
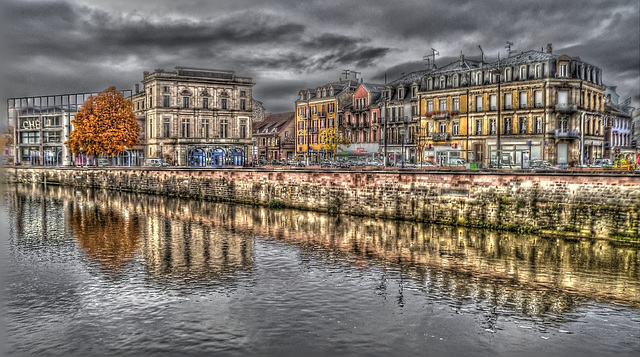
pixel 499 105
pixel 162 153
pixel 402 132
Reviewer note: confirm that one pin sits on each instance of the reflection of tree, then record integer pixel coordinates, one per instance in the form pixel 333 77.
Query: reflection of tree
pixel 106 235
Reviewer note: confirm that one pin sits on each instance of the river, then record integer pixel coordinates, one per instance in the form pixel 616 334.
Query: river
pixel 95 272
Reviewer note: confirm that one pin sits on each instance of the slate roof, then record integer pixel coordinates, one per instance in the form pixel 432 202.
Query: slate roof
pixel 274 124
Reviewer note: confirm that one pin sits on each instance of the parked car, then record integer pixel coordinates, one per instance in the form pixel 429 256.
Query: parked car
pixel 155 162
pixel 102 162
pixel 542 165
pixel 603 163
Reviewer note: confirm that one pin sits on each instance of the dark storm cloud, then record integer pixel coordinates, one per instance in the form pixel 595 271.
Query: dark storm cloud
pixel 76 45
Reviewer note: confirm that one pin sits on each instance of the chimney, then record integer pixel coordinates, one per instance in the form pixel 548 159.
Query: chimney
pixel 137 88
pixel 461 59
pixel 549 49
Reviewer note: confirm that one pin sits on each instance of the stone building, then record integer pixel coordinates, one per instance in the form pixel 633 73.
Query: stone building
pixel 275 137
pixel 535 104
pixel 196 117
pixel 618 140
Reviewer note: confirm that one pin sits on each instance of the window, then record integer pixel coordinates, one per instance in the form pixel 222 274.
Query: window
pixel 442 127
pixel 562 70
pixel 563 98
pixel 185 102
pixel 165 101
pixel 430 106
pixel 455 128
pixel 537 98
pixel 430 83
pixel 478 126
pixel 204 128
pixel 538 70
pixel 456 104
pixel 508 101
pixel 507 74
pixel 478 78
pixel 507 127
pixel 243 128
pixel 478 103
pixel 538 125
pixel 414 91
pixel 493 102
pixel 456 81
pixel 50 122
pixel 224 129
pixel 223 103
pixel 523 100
pixel 165 89
pixel 442 104
pixel 205 103
pixel 563 124
pixel 400 93
pixel 243 104
pixel 522 126
pixel 492 127
pixel 186 122
pixel 32 137
pixel 443 82
pixel 243 93
pixel 523 73
pixel 166 127
pixel 51 137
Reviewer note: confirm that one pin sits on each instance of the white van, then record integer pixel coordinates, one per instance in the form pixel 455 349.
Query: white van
pixel 153 162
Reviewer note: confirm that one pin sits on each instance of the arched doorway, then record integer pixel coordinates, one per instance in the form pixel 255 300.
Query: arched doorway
pixel 237 157
pixel 197 157
pixel 218 157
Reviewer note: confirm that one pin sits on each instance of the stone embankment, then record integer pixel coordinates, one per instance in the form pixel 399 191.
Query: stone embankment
pixel 598 205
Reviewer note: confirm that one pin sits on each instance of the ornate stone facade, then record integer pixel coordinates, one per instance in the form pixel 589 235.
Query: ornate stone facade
pixel 196 117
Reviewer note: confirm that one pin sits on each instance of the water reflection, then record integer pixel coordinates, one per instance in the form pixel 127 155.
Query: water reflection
pixel 187 241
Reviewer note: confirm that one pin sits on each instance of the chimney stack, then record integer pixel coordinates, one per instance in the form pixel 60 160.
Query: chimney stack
pixel 137 88
pixel 549 48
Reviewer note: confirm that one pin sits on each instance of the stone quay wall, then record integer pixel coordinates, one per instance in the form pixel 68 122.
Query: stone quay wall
pixel 598 205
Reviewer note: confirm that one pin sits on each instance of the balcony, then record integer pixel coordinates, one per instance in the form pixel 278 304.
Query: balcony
pixel 440 136
pixel 560 133
pixel 440 114
pixel 566 108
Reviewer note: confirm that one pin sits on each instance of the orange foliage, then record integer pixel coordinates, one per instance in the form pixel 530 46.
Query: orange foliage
pixel 104 125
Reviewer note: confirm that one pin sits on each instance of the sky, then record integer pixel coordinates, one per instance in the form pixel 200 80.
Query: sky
pixel 71 46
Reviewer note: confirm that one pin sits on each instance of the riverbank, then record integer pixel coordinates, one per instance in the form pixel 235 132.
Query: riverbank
pixel 581 204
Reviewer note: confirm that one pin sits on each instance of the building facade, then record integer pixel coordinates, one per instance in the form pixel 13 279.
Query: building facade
pixel 317 110
pixel 42 125
pixel 534 105
pixel 361 122
pixel 196 117
pixel 275 138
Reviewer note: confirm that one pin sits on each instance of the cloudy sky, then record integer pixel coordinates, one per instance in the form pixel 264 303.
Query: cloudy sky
pixel 68 46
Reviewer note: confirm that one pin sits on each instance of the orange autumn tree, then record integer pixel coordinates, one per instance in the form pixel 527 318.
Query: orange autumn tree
pixel 104 125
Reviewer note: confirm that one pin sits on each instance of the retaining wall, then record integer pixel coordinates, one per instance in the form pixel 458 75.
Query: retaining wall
pixel 585 204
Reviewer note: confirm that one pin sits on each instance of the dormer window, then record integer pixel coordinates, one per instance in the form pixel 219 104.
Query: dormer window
pixel 538 70
pixel 478 78
pixel 430 83
pixel 523 73
pixel 443 82
pixel 400 93
pixel 456 81
pixel 507 74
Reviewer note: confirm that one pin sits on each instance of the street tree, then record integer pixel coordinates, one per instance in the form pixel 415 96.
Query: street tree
pixel 104 125
pixel 332 140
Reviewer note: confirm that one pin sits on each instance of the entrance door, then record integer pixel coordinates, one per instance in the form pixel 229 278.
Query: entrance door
pixel 563 150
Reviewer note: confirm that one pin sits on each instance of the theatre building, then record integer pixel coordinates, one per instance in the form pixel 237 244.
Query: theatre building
pixel 196 117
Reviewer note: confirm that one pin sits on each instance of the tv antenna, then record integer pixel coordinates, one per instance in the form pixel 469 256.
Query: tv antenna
pixel 508 47
pixel 481 52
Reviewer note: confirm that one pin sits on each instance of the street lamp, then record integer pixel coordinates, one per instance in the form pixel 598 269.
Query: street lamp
pixel 402 132
pixel 499 74
pixel 162 153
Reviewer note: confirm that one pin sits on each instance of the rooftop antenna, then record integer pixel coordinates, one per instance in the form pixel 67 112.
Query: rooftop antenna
pixel 434 53
pixel 508 47
pixel 426 58
pixel 346 74
pixel 482 52
pixel 355 74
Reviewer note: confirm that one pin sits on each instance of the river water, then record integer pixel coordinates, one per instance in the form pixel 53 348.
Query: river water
pixel 92 273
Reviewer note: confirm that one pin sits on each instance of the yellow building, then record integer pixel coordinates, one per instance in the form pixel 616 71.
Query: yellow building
pixel 317 110
pixel 535 105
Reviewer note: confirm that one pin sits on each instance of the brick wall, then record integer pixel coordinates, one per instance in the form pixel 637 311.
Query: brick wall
pixel 587 204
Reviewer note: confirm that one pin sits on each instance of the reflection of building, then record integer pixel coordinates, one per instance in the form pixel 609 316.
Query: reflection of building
pixel 275 137
pixel 196 117
pixel 43 123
